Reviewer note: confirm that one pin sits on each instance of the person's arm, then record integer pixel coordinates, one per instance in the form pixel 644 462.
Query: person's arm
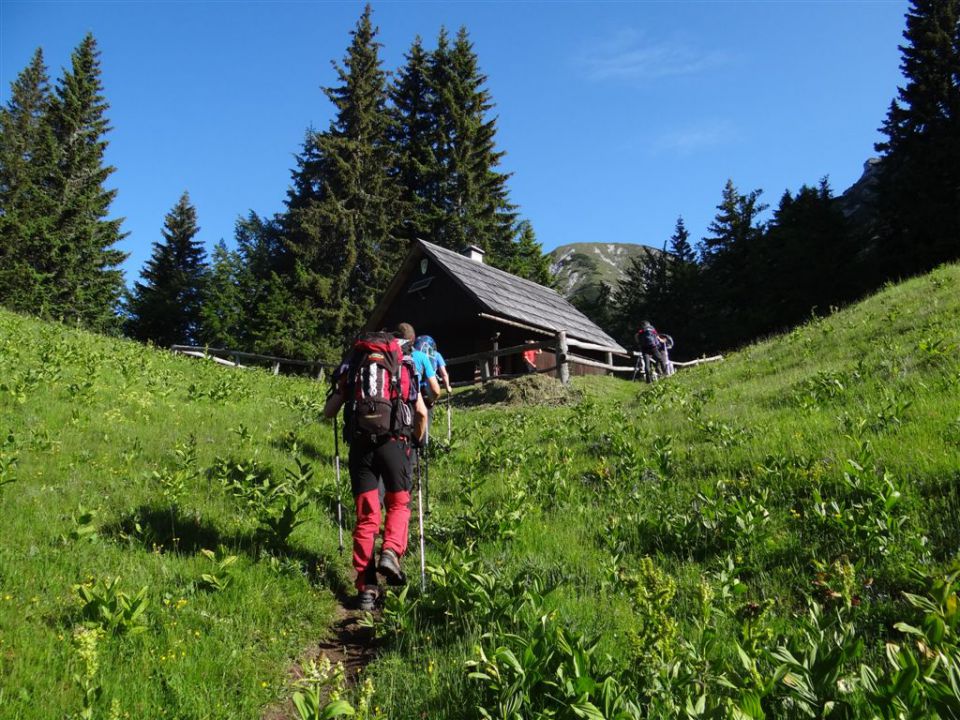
pixel 334 402
pixel 430 375
pixel 420 419
pixel 442 372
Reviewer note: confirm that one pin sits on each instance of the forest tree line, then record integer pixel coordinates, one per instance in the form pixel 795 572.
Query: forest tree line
pixel 748 278
pixel 414 155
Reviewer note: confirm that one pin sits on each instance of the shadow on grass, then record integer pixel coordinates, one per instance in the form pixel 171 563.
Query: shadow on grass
pixel 161 529
pixel 307 449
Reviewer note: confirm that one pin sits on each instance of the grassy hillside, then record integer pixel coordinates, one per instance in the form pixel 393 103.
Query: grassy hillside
pixel 736 541
pixel 121 461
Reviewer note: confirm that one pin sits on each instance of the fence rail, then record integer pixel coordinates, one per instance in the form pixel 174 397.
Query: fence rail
pixel 225 356
pixel 559 345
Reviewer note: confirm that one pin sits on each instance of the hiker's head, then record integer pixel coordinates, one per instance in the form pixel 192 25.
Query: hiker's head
pixel 646 325
pixel 405 331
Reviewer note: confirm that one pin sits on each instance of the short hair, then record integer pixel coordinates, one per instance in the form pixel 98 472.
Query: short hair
pixel 405 331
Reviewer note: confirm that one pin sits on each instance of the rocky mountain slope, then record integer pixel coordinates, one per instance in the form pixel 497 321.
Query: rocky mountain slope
pixel 581 267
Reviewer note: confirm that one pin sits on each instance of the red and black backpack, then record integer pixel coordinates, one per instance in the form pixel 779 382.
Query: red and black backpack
pixel 381 389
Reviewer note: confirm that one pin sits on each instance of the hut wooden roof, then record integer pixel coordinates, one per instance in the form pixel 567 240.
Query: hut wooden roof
pixel 503 295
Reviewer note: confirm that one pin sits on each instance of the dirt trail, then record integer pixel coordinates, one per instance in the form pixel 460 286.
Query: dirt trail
pixel 349 644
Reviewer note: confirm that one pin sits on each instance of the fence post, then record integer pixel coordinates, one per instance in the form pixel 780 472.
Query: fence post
pixel 562 357
pixel 276 368
pixel 610 363
pixel 484 370
pixel 496 359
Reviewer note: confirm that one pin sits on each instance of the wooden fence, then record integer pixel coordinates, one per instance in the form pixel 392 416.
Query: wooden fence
pixel 234 357
pixel 560 346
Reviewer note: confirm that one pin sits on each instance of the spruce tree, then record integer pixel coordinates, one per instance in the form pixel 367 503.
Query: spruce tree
pixel 413 134
pixel 597 304
pixel 166 307
pixel 809 257
pixel 272 320
pixel 638 296
pixel 343 212
pixel 471 205
pixel 27 165
pixel 526 257
pixel 919 191
pixel 87 283
pixel 732 268
pixel 223 310
pixel 681 297
pixel 680 248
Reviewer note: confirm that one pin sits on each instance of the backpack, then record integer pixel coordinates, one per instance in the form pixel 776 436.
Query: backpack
pixel 381 389
pixel 648 339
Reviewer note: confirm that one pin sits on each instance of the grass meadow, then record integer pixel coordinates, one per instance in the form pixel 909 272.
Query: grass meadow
pixel 774 536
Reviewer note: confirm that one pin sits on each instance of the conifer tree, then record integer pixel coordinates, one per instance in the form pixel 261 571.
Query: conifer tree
pixel 341 225
pixel 526 258
pixel 680 248
pixel 733 268
pixel 809 256
pixel 27 210
pixel 919 192
pixel 681 298
pixel 599 307
pixel 413 134
pixel 639 296
pixel 272 322
pixel 87 282
pixel 472 206
pixel 223 309
pixel 166 307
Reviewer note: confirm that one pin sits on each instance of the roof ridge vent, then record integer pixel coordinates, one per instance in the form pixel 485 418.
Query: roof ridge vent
pixel 474 252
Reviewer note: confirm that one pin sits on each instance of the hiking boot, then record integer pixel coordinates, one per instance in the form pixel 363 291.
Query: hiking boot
pixel 367 599
pixel 389 567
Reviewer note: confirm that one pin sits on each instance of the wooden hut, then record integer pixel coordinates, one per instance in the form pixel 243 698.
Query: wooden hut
pixel 469 308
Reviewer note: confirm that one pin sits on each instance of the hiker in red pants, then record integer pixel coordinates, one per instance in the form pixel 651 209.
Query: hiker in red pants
pixel 384 420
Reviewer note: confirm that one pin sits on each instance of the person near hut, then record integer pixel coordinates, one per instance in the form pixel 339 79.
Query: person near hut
pixel 530 359
pixel 380 465
pixel 653 344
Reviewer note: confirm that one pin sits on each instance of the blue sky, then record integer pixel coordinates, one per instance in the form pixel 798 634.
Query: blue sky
pixel 616 117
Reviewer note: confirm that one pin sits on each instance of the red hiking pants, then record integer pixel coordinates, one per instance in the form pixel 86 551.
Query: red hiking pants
pixel 389 462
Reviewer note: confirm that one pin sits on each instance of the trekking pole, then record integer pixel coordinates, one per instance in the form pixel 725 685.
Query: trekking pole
pixel 336 467
pixel 423 565
pixel 426 467
pixel 449 422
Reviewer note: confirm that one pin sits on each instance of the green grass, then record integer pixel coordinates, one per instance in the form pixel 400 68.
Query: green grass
pixel 682 531
pixel 95 427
